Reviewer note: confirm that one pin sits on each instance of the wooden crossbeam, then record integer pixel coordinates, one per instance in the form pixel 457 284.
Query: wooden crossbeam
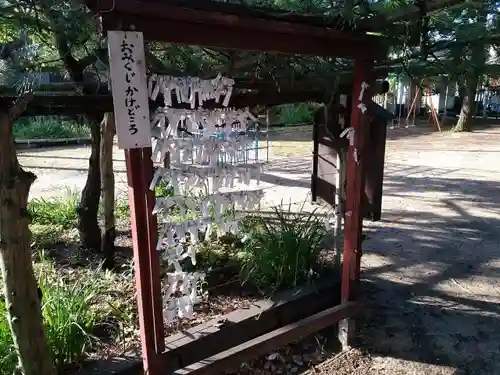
pixel 84 104
pixel 167 22
pixel 331 21
pixel 271 39
pixel 231 359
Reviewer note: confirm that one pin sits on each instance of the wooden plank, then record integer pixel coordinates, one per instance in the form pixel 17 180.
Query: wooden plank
pixel 154 255
pixel 192 334
pixel 231 359
pixel 127 67
pixel 84 104
pixel 374 169
pixel 240 38
pixel 355 183
pixel 228 14
pixel 242 325
pixel 356 157
pixel 171 12
pixel 243 10
pixel 137 190
pixel 314 174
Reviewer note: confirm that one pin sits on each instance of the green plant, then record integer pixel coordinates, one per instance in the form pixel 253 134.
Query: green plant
pixel 49 129
pixel 69 317
pixel 162 190
pixel 8 358
pixel 74 306
pixel 281 251
pixel 49 235
pixel 56 210
pixel 294 113
pixel 122 208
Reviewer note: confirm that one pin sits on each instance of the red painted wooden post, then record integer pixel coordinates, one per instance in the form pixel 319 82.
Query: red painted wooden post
pixel 351 255
pixel 137 190
pixel 154 262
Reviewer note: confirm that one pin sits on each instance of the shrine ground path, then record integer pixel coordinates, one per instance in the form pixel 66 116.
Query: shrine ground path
pixel 431 267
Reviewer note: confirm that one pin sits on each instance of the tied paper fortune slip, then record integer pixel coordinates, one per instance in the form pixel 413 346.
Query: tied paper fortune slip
pixel 208 161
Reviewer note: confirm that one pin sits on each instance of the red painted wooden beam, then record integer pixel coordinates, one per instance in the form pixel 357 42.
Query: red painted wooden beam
pixel 138 187
pixel 153 254
pixel 238 37
pixel 230 360
pixel 351 255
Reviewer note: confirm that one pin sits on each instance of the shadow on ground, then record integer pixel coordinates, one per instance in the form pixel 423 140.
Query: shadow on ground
pixel 431 273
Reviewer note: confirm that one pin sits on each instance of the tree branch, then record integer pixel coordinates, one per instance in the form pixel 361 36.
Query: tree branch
pixel 405 13
pixel 20 105
pixel 92 58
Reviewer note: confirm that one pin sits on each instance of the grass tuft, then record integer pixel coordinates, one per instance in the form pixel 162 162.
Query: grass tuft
pixel 54 220
pixel 60 211
pixel 8 358
pixel 281 251
pixel 80 309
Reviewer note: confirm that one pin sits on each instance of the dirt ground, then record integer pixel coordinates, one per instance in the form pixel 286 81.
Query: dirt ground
pixel 430 268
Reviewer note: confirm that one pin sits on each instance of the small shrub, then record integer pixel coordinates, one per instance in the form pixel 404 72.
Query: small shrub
pixel 282 252
pixel 49 129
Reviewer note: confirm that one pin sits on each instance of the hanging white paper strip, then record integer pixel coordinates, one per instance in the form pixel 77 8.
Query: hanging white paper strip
pixel 208 167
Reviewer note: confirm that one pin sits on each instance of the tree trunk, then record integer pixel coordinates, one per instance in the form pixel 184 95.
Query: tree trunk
pixel 468 108
pixel 20 286
pixel 108 189
pixel 90 234
pixel 478 54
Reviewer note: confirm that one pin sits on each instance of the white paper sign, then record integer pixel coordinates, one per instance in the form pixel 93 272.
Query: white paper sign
pixel 127 65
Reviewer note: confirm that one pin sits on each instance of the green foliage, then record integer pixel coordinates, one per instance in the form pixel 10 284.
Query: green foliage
pixel 282 251
pixel 8 358
pixel 49 129
pixel 294 113
pixel 162 190
pixel 69 316
pixel 54 220
pixel 75 308
pixel 49 235
pixel 122 208
pixel 56 210
pixel 217 253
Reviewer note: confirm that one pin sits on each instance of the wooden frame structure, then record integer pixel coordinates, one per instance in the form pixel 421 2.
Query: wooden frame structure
pixel 239 28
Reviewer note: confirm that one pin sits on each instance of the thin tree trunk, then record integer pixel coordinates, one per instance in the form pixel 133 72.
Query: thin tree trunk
pixel 108 189
pixel 90 234
pixel 476 70
pixel 20 286
pixel 468 108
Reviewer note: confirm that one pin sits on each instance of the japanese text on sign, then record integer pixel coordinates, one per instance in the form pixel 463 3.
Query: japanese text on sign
pixel 129 87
